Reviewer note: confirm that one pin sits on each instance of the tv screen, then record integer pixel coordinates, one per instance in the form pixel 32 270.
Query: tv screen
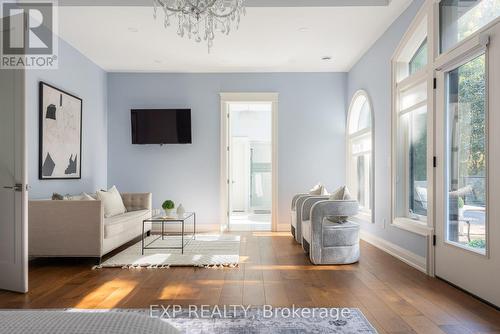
pixel 161 126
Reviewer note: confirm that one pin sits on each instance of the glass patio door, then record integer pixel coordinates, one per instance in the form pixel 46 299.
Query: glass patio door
pixel 468 158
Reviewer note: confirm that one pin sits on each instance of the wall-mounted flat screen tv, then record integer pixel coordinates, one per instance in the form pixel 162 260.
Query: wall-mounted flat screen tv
pixel 161 126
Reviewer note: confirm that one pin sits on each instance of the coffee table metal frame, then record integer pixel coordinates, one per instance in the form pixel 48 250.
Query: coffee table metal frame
pixel 169 220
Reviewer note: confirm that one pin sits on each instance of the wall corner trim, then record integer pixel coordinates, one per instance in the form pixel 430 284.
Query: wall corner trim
pixel 416 261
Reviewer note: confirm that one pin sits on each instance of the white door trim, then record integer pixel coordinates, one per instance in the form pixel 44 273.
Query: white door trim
pixel 224 144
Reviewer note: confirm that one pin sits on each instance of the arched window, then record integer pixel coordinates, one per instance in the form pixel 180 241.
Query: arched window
pixel 360 152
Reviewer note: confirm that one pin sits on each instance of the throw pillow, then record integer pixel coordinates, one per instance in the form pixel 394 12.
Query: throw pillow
pixel 112 202
pixel 87 197
pixel 318 190
pixel 341 194
pixel 81 197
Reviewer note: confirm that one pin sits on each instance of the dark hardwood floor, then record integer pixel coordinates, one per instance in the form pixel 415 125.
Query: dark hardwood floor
pixel 273 270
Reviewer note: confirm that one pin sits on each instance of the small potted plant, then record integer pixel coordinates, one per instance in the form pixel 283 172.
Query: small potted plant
pixel 168 206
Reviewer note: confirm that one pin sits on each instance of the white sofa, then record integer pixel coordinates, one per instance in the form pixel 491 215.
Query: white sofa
pixel 78 228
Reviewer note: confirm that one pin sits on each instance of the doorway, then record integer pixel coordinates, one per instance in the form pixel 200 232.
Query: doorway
pixel 249 161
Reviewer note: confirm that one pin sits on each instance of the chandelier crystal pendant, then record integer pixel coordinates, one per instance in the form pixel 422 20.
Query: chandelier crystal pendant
pixel 201 19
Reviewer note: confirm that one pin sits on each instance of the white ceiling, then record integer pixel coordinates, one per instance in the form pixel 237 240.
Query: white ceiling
pixel 270 39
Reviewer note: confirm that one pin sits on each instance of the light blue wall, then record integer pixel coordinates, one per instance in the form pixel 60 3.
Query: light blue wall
pixel 79 76
pixel 373 74
pixel 311 135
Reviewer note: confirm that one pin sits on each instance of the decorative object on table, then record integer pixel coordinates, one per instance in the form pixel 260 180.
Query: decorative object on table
pixel 180 210
pixel 60 134
pixel 207 251
pixel 201 19
pixel 169 207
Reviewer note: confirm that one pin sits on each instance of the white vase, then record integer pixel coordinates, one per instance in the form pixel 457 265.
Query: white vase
pixel 180 210
pixel 169 212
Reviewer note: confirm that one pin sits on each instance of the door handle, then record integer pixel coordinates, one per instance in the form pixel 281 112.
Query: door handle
pixel 17 187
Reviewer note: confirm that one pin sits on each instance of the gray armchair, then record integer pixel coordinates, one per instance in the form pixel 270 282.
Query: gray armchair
pixel 329 242
pixel 297 204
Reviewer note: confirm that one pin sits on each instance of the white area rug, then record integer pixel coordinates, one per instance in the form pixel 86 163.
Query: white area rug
pixel 205 250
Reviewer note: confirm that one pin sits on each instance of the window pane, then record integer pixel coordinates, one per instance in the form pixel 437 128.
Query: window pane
pixel 364 119
pixel 418 163
pixel 362 144
pixel 413 95
pixel 361 180
pixel 419 59
pixel 360 117
pixel 461 18
pixel 411 164
pixel 466 155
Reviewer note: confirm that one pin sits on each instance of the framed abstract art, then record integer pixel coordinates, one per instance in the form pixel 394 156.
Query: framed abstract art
pixel 60 134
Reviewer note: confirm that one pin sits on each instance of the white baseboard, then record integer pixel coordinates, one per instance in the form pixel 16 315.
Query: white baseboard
pixel 416 261
pixel 284 227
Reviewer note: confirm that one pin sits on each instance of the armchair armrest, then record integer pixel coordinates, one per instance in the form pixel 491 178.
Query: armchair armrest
pixel 295 199
pixel 329 208
pixel 298 212
pixel 65 228
pixel 137 201
pixel 309 203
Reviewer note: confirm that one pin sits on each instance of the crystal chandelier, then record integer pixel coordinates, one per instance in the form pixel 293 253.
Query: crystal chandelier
pixel 201 19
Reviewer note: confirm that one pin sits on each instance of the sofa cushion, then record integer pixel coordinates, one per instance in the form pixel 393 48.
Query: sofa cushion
pixel 124 222
pixel 112 202
pixel 294 218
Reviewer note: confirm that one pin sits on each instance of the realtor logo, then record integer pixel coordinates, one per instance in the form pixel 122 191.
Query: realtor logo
pixel 29 38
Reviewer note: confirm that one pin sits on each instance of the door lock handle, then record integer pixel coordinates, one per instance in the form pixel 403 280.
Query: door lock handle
pixel 17 187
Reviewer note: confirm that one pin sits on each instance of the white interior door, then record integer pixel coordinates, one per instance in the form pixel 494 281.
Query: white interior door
pixel 468 182
pixel 240 161
pixel 13 194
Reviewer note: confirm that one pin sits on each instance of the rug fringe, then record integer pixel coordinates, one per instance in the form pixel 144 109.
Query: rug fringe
pixel 167 266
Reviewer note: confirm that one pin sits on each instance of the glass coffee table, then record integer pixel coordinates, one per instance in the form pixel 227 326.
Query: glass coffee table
pixel 162 221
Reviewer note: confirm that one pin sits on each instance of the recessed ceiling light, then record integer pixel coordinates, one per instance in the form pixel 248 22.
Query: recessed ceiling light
pixel 133 29
pixel 303 29
pixel 326 58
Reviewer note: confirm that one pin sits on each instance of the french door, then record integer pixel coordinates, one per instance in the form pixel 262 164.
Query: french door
pixel 13 194
pixel 467 251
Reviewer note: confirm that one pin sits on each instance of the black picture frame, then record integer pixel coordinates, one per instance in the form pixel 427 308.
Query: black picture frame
pixel 43 114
